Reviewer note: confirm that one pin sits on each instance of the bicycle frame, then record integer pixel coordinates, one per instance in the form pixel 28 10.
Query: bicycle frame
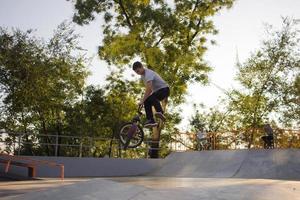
pixel 137 118
pixel 135 126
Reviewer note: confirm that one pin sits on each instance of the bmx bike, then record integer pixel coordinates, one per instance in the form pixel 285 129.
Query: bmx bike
pixel 131 133
pixel 204 144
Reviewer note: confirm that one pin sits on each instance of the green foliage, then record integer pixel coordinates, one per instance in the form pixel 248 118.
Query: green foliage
pixel 38 79
pixel 168 37
pixel 211 120
pixel 269 78
pixel 269 91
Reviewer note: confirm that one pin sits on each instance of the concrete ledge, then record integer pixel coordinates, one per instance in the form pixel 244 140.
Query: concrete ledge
pixel 92 167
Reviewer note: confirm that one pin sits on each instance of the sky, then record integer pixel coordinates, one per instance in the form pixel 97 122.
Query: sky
pixel 241 30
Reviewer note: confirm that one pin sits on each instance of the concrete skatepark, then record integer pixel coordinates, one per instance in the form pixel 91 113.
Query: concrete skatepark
pixel 233 174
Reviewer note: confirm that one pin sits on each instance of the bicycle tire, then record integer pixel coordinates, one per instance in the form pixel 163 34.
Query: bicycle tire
pixel 136 139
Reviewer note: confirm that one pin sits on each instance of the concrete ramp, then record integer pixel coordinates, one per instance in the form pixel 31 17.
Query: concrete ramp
pixel 234 175
pixel 269 164
pixel 96 189
pixel 201 164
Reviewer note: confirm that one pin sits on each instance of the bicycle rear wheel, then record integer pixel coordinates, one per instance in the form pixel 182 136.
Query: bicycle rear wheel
pixel 130 136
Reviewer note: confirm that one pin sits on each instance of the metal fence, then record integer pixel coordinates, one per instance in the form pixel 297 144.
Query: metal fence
pixel 240 139
pixel 78 144
pixel 82 146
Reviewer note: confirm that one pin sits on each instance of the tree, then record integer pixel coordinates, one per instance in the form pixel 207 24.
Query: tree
pixel 270 80
pixel 213 120
pixel 269 92
pixel 169 36
pixel 38 79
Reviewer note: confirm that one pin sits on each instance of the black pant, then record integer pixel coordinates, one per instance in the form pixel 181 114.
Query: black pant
pixel 154 100
pixel 268 141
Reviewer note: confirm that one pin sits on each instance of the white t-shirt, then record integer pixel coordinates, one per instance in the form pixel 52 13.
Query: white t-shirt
pixel 157 81
pixel 201 135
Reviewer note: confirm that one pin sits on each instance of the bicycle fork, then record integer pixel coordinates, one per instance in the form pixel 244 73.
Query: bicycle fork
pixel 132 130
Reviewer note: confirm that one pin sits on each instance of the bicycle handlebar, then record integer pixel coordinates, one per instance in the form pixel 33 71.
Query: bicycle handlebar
pixel 140 109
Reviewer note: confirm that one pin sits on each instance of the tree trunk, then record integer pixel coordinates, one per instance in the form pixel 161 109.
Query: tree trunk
pixel 27 147
pixel 47 139
pixel 58 134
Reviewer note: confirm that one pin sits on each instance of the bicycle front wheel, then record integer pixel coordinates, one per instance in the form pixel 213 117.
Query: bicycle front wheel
pixel 129 139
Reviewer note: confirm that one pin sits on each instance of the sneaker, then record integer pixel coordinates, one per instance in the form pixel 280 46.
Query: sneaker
pixel 150 124
pixel 160 116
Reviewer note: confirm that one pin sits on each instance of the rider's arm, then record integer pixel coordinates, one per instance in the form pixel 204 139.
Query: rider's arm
pixel 148 91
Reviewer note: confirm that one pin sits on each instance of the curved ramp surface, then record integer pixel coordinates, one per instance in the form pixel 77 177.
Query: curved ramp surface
pixel 270 164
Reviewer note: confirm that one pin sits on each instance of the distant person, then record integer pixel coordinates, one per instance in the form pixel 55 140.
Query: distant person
pixel 202 140
pixel 268 138
pixel 201 135
pixel 156 90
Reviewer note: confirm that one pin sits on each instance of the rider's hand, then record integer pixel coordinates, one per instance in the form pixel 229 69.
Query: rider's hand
pixel 141 102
